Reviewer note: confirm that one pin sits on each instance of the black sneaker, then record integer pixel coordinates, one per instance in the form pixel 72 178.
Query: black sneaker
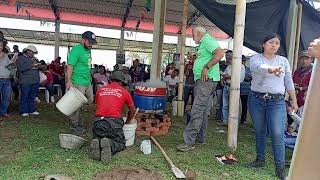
pixel 280 173
pixel 105 144
pixel 185 147
pixel 258 163
pixel 222 123
pixel 77 129
pixel 95 151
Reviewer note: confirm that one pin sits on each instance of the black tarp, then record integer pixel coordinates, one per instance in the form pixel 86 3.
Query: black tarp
pixel 262 18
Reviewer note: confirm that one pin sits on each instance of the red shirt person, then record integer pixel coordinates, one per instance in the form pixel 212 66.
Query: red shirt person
pixel 301 77
pixel 107 129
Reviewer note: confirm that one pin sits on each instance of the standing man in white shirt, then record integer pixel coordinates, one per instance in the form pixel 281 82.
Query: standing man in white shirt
pixel 226 89
pixel 172 84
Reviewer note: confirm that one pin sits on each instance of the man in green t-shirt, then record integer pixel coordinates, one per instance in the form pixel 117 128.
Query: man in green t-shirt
pixel 206 74
pixel 78 74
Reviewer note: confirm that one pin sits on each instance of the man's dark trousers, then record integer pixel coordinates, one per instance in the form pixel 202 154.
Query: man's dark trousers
pixel 110 128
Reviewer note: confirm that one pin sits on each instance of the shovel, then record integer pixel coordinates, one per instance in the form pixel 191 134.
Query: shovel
pixel 176 171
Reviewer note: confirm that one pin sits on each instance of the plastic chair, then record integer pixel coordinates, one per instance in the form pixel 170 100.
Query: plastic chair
pixel 46 92
pixel 58 86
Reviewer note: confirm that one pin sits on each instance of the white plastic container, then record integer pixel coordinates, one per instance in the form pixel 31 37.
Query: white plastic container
pixel 145 147
pixel 129 131
pixel 71 101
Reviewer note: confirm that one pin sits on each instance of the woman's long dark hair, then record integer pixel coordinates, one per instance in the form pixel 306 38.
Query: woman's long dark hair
pixel 268 37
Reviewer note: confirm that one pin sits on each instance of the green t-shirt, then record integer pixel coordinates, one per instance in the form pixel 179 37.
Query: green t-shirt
pixel 80 59
pixel 206 47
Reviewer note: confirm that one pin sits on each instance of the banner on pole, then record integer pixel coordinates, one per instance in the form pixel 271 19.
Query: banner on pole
pixel 121 57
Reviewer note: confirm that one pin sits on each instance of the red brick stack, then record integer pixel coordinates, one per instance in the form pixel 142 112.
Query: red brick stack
pixel 151 125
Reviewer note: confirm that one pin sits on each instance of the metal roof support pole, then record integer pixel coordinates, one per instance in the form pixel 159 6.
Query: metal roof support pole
pixel 238 35
pixel 158 32
pixel 121 46
pixel 292 31
pixel 182 56
pixel 56 38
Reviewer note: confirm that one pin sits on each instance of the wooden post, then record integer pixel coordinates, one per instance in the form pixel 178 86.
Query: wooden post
pixel 158 31
pixel 235 74
pixel 182 54
pixel 305 160
pixel 297 45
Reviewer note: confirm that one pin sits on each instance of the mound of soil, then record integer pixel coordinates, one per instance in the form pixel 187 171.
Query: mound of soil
pixel 128 174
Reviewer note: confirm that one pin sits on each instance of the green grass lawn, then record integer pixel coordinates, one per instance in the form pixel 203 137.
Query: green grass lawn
pixel 30 149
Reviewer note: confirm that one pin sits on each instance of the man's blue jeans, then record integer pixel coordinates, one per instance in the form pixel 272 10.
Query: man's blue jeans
pixel 271 114
pixel 290 142
pixel 219 103
pixel 28 93
pixel 225 102
pixel 196 128
pixel 5 89
pixel 225 107
pixel 188 90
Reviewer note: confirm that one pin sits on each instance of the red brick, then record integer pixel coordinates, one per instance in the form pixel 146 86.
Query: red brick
pixel 143 133
pixel 153 121
pixel 164 124
pixel 139 115
pixel 166 119
pixel 140 128
pixel 145 116
pixel 145 125
pixel 164 128
pixel 152 129
pixel 165 116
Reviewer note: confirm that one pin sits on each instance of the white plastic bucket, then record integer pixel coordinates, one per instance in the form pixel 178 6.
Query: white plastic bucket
pixel 71 101
pixel 129 131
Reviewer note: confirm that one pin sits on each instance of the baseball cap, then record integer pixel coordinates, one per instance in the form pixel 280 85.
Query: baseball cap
pixel 90 36
pixel 119 75
pixel 304 53
pixel 244 58
pixel 31 48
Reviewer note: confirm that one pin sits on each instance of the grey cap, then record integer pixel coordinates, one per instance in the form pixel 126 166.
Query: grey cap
pixel 119 75
pixel 304 53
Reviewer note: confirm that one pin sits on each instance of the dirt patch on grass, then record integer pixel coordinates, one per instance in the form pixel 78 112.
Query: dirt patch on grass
pixel 7 149
pixel 128 174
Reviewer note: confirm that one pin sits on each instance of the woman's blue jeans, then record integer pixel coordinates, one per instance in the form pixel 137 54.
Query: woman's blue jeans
pixel 28 93
pixel 5 90
pixel 271 114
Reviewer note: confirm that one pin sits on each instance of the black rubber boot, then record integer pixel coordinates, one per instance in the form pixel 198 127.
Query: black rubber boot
pixel 95 151
pixel 280 173
pixel 77 129
pixel 258 163
pixel 105 150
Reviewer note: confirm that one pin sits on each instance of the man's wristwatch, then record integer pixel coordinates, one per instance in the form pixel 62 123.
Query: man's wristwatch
pixel 206 66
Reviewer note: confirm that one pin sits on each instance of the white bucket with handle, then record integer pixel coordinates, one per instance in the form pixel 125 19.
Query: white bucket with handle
pixel 71 102
pixel 129 131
